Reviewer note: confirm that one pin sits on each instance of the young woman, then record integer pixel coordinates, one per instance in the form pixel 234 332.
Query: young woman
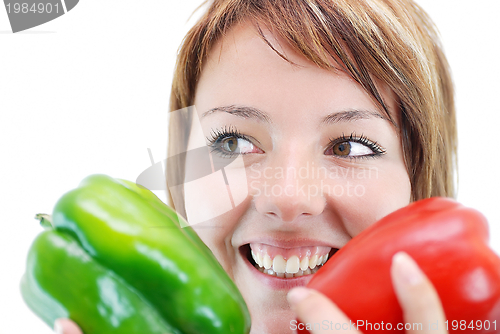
pixel 341 112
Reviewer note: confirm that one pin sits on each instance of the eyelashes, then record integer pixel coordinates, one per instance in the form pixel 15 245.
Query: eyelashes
pixel 361 144
pixel 228 142
pixel 218 134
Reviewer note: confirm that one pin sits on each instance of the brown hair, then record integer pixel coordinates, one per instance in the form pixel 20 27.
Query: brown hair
pixel 393 40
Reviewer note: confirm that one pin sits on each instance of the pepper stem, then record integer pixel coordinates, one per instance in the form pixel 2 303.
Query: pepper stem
pixel 45 220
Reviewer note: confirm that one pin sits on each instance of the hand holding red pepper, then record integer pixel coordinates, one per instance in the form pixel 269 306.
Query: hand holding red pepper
pixel 415 292
pixel 449 244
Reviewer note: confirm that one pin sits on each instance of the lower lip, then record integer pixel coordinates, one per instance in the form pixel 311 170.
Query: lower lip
pixel 278 283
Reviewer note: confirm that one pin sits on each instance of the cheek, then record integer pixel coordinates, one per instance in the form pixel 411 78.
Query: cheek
pixel 367 197
pixel 213 233
pixel 217 233
pixel 206 198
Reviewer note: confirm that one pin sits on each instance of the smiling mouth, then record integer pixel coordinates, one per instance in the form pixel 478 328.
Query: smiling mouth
pixel 287 263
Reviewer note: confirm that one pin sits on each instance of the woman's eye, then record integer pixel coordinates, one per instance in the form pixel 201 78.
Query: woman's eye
pixel 236 145
pixel 354 147
pixel 349 148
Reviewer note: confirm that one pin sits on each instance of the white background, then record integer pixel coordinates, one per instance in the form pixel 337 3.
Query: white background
pixel 88 93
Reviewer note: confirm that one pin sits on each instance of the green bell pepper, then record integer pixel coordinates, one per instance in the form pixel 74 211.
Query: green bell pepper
pixel 115 260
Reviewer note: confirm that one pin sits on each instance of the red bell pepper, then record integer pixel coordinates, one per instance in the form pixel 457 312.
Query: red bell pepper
pixel 450 244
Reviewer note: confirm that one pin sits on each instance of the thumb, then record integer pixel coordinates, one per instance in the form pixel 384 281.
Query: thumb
pixel 66 326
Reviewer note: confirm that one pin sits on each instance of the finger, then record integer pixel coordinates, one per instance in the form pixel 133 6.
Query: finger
pixel 66 326
pixel 417 296
pixel 318 312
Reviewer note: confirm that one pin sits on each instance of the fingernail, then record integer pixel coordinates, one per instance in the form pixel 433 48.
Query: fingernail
pixel 407 269
pixel 296 295
pixel 58 327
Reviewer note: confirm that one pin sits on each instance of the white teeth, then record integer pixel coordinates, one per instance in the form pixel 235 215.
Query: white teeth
pixel 304 264
pixel 279 264
pixel 313 261
pixel 293 267
pixel 292 264
pixel 287 275
pixel 267 262
pixel 258 259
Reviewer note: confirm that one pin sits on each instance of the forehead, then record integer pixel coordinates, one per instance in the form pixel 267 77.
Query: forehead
pixel 242 58
pixel 244 46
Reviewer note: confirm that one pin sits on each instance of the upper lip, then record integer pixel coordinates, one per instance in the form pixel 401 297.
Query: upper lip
pixel 290 243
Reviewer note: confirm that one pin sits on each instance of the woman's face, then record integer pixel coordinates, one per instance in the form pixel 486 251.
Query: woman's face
pixel 319 162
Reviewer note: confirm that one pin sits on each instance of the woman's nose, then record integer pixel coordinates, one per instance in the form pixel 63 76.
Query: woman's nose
pixel 287 188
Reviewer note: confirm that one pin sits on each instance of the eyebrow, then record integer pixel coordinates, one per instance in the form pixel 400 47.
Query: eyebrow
pixel 333 118
pixel 351 115
pixel 241 111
